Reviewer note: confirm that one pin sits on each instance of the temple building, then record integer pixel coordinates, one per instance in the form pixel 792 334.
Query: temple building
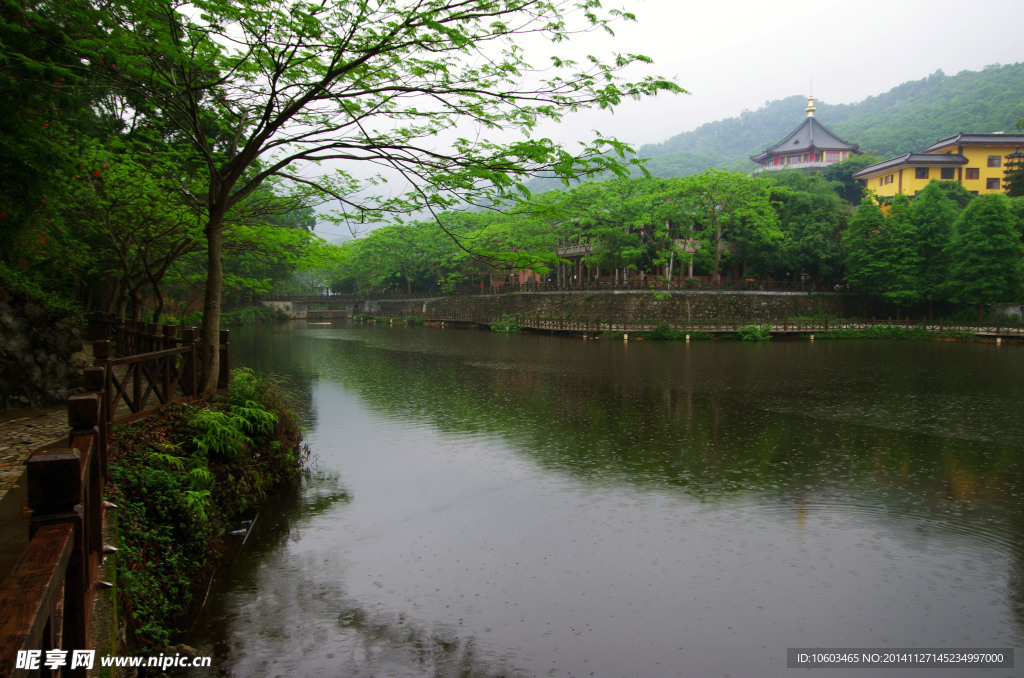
pixel 810 146
pixel 979 162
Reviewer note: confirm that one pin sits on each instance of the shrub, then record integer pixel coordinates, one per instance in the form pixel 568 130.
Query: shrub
pixel 181 479
pixel 50 301
pixel 663 332
pixel 754 333
pixel 507 324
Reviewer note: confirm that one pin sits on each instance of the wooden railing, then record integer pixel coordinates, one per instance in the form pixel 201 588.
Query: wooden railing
pixel 47 599
pixel 46 602
pixel 718 325
pixel 153 366
pixel 647 284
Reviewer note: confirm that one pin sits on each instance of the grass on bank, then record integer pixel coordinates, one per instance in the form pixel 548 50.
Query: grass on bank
pixel 755 332
pixel 888 332
pixel 181 480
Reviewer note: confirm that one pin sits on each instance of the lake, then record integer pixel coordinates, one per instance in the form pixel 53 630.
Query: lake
pixel 523 505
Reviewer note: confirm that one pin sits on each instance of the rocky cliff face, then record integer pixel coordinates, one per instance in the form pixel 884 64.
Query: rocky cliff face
pixel 41 356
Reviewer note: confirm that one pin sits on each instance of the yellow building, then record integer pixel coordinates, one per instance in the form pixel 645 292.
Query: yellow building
pixel 977 161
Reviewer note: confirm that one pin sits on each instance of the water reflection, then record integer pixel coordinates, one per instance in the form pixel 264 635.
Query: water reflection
pixel 540 506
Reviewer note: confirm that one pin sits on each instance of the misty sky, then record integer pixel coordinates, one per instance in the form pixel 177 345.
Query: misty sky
pixel 733 55
pixel 736 55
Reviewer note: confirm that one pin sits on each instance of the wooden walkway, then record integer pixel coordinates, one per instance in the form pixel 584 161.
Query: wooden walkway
pixel 725 326
pixel 48 594
pixel 729 326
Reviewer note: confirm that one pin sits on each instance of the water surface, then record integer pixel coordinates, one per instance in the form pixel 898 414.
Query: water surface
pixel 490 505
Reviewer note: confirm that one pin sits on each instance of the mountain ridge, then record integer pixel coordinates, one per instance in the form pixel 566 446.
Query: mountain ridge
pixel 906 118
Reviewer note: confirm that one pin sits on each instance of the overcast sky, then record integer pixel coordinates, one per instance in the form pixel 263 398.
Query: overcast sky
pixel 735 55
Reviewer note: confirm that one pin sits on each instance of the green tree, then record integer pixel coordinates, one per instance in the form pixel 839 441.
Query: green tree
pixel 899 257
pixel 812 218
pixel 932 215
pixel 730 210
pixel 849 189
pixel 259 91
pixel 130 208
pixel 45 106
pixel 862 245
pixel 625 222
pixel 985 255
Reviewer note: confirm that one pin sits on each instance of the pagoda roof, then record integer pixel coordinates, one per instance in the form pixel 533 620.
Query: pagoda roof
pixel 809 135
pixel 962 139
pixel 915 159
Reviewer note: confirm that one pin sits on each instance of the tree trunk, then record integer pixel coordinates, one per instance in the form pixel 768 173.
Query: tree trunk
pixel 122 302
pixel 154 283
pixel 210 331
pixel 718 253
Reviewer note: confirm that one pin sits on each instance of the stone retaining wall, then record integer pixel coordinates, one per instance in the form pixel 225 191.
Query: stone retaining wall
pixel 626 306
pixel 41 356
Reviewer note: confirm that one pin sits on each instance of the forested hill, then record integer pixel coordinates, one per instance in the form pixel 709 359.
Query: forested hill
pixel 907 118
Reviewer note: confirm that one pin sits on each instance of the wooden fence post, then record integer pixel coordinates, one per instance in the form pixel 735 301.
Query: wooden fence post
pixel 94 381
pixel 101 359
pixel 84 420
pixel 54 488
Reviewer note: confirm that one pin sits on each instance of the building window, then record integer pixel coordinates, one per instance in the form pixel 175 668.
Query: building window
pixel 948 173
pixel 995 160
pixel 920 172
pixel 992 184
pixel 831 156
pixel 971 173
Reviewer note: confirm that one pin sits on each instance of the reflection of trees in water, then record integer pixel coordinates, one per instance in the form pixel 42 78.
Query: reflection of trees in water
pixel 662 422
pixel 279 520
pixel 740 427
pixel 677 425
pixel 269 349
pixel 438 649
pixel 384 639
pixel 1016 578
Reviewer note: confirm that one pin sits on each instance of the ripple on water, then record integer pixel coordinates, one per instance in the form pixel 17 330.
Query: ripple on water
pixel 918 522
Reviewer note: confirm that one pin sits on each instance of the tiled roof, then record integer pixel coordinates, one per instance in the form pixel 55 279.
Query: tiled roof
pixel 975 140
pixel 913 159
pixel 809 135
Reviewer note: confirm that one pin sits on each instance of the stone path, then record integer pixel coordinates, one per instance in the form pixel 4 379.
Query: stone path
pixel 24 431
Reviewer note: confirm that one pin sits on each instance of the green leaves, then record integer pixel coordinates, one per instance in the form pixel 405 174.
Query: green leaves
pixel 985 254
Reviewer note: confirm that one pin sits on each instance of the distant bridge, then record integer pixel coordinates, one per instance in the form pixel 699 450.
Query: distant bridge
pixel 297 307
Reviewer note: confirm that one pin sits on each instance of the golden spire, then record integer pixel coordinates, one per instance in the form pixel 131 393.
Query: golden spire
pixel 810 106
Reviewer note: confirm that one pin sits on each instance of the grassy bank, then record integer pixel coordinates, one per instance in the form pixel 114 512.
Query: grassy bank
pixel 182 479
